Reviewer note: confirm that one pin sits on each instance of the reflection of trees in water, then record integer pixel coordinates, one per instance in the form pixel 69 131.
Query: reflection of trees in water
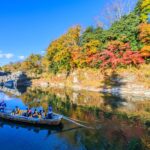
pixel 120 137
pixel 87 106
pixel 114 83
pixel 113 101
pixel 37 98
pixel 114 133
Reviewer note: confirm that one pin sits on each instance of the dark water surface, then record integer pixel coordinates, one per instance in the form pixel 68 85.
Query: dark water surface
pixel 115 130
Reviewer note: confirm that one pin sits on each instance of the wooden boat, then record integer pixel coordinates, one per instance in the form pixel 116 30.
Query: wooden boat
pixel 56 119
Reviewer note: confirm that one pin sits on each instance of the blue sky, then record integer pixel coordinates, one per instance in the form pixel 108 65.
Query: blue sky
pixel 28 26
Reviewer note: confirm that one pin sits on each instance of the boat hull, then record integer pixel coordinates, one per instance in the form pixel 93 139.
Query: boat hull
pixel 33 121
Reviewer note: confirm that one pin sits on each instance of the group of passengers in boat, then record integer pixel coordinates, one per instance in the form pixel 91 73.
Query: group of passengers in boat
pixel 34 114
pixel 28 112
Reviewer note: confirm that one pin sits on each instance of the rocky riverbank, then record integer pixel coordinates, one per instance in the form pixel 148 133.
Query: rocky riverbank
pixel 132 90
pixel 117 83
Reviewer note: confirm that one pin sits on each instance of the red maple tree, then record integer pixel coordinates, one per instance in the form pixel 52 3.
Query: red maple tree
pixel 117 53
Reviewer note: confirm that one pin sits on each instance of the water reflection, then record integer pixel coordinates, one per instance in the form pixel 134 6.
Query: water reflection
pixel 116 138
pixel 88 104
pixel 14 91
pixel 117 130
pixel 114 82
pixel 35 129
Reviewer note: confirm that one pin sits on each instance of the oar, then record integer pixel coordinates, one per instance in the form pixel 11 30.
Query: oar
pixel 75 122
pixel 79 124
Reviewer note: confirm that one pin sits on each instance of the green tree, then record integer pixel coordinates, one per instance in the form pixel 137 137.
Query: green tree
pixel 126 30
pixel 143 10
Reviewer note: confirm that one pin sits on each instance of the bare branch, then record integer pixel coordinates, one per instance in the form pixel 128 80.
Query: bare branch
pixel 115 9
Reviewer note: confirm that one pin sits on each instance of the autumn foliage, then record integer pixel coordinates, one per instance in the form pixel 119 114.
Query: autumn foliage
pixel 144 35
pixel 125 42
pixel 116 54
pixel 144 10
pixel 145 51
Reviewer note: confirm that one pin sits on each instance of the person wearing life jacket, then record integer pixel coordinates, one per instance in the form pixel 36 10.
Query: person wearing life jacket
pixel 41 114
pixel 35 114
pixel 29 112
pixel 17 110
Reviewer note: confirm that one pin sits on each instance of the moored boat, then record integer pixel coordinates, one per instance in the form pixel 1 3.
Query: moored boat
pixel 56 119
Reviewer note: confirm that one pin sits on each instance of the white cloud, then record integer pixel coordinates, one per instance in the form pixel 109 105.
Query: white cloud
pixel 42 52
pixel 21 57
pixel 9 55
pixel 6 55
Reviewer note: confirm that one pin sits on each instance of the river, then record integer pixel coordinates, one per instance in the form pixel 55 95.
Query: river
pixel 119 122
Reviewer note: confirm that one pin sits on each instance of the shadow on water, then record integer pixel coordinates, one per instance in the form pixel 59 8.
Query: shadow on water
pixel 112 90
pixel 13 90
pixel 34 128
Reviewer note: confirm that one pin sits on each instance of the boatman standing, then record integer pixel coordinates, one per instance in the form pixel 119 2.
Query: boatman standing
pixel 50 112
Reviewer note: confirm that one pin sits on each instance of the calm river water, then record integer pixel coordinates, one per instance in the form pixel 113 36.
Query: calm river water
pixel 118 122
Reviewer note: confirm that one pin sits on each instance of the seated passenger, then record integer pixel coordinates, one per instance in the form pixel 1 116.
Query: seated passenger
pixel 35 114
pixel 25 113
pixel 13 112
pixel 41 114
pixel 17 110
pixel 28 113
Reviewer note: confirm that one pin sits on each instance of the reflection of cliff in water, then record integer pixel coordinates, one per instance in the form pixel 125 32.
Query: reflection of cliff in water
pixel 82 98
pixel 85 105
pixel 15 91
